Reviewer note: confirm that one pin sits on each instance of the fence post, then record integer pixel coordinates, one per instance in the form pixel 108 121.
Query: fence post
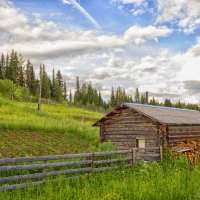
pixel 161 154
pixel 45 169
pixel 92 159
pixel 133 155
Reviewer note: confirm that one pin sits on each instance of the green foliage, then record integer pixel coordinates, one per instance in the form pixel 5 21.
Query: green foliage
pixel 9 89
pixel 87 95
pixel 145 181
pixel 105 146
pixel 119 96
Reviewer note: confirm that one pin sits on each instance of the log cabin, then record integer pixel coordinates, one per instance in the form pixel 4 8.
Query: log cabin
pixel 133 125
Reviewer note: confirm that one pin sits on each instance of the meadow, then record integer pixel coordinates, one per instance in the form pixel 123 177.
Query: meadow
pixel 56 129
pixel 150 181
pixel 60 129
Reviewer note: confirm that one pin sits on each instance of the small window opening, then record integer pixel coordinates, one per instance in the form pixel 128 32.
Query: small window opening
pixel 140 142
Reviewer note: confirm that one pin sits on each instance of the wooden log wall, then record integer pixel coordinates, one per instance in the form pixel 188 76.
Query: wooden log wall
pixel 177 134
pixel 124 127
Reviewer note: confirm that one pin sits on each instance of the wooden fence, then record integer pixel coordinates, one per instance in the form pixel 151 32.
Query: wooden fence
pixel 30 171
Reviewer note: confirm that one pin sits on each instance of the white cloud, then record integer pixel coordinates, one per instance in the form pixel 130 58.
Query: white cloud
pixel 106 59
pixel 140 34
pixel 138 2
pixel 82 11
pixel 185 13
pixel 44 39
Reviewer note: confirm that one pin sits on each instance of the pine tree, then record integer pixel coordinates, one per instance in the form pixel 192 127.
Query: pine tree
pixel 30 77
pixel 20 74
pixel 2 67
pixel 100 100
pixel 70 96
pixel 112 98
pixel 53 85
pixel 7 68
pixel 137 96
pixel 153 101
pixel 142 99
pixel 168 103
pixel 65 90
pixel 45 84
pixel 59 79
pixel 13 67
pixel 77 91
pixel 179 104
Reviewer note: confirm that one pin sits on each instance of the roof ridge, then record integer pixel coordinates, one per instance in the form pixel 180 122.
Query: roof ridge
pixel 162 107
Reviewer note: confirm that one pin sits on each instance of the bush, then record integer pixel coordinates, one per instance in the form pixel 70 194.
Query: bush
pixel 9 89
pixel 105 146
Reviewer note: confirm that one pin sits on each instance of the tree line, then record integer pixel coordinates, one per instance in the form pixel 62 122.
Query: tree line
pixel 14 68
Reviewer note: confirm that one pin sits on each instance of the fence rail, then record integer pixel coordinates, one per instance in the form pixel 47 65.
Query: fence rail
pixel 49 166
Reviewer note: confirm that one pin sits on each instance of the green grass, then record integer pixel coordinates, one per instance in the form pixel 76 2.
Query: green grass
pixel 74 123
pixel 148 181
pixel 60 129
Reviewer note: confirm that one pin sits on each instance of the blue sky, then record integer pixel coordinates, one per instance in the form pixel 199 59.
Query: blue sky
pixel 113 17
pixel 150 44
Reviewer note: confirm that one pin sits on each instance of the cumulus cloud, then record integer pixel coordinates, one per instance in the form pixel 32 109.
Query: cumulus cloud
pixel 140 34
pixel 44 39
pixel 185 13
pixel 105 59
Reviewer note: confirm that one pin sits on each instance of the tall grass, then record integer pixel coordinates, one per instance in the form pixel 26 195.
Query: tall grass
pixel 149 181
pixel 52 118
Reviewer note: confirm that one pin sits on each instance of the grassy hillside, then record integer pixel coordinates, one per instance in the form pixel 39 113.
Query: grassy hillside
pixel 55 129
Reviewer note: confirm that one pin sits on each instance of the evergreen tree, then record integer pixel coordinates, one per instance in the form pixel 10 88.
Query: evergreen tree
pixel 70 96
pixel 20 74
pixel 59 79
pixel 142 99
pixel 13 67
pixel 153 101
pixel 53 85
pixel 2 66
pixel 178 104
pixel 168 103
pixel 77 91
pixel 7 68
pixel 45 84
pixel 137 96
pixel 65 90
pixel 112 98
pixel 30 77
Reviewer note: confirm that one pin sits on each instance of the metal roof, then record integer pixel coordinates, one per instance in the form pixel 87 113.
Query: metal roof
pixel 167 115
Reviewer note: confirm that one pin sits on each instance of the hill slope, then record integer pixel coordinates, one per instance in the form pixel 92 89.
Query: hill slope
pixel 55 129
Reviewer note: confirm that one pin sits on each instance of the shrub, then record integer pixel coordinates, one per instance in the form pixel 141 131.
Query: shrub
pixel 9 89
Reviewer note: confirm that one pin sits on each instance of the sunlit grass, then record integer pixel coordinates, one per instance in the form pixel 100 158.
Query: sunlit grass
pixel 75 123
pixel 149 181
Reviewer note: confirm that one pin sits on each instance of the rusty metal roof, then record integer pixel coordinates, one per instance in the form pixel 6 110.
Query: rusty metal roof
pixel 167 115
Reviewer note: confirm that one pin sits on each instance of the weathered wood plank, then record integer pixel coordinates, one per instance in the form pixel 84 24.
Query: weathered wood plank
pixel 43 175
pixel 117 132
pixel 184 132
pixel 44 166
pixel 20 186
pixel 59 157
pixel 61 164
pixel 171 128
pixel 183 136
